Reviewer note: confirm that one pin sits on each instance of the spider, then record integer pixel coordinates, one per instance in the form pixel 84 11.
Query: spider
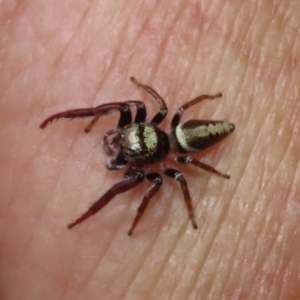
pixel 135 146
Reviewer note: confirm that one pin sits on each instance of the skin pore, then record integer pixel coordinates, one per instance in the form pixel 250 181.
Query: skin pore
pixel 75 54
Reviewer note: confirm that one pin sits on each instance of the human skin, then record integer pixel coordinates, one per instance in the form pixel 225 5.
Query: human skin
pixel 72 54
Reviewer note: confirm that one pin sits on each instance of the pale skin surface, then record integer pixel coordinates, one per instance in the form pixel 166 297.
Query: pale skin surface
pixel 72 54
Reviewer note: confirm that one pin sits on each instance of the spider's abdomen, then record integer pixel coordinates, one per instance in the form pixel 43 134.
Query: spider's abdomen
pixel 197 135
pixel 144 143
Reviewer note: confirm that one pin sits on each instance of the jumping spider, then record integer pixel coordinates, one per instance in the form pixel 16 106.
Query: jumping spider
pixel 139 144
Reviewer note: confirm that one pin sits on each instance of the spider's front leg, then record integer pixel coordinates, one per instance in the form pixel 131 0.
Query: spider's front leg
pixel 163 110
pixel 97 112
pixel 133 178
pixel 140 117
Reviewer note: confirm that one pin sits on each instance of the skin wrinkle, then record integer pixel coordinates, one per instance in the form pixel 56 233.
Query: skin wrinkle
pixel 71 268
pixel 221 58
pixel 85 53
pixel 295 172
pixel 264 61
pixel 270 178
pixel 214 235
pixel 113 62
pixel 243 226
pixel 281 71
pixel 22 259
pixel 12 175
pixel 268 278
pixel 281 289
pixel 247 55
pixel 194 40
pixel 198 40
pixel 249 28
pixel 142 27
pixel 226 282
pixel 184 35
pixel 274 281
pixel 139 267
pixel 14 77
pixel 216 232
pixel 276 171
pixel 270 248
pixel 284 154
pixel 30 239
pixel 246 59
pixel 3 52
pixel 178 240
pixel 228 272
pixel 54 189
pixel 228 44
pixel 63 52
pixel 17 154
pixel 263 261
pixel 164 44
pixel 293 47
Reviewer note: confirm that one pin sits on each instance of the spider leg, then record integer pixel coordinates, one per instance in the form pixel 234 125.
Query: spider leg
pixel 140 114
pixel 199 164
pixel 157 181
pixel 158 118
pixel 120 163
pixel 97 112
pixel 106 146
pixel 176 119
pixel 133 178
pixel 184 187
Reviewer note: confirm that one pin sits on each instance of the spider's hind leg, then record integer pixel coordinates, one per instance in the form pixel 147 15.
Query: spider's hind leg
pixel 157 181
pixel 184 187
pixel 133 178
pixel 199 164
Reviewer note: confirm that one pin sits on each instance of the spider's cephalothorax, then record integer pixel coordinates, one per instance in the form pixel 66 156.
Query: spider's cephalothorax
pixel 138 144
pixel 144 143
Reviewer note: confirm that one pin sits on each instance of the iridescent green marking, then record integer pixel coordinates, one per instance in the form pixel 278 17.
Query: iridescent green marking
pixel 150 137
pixel 132 140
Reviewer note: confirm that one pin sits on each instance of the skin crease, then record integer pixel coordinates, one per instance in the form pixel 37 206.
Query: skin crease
pixel 73 54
